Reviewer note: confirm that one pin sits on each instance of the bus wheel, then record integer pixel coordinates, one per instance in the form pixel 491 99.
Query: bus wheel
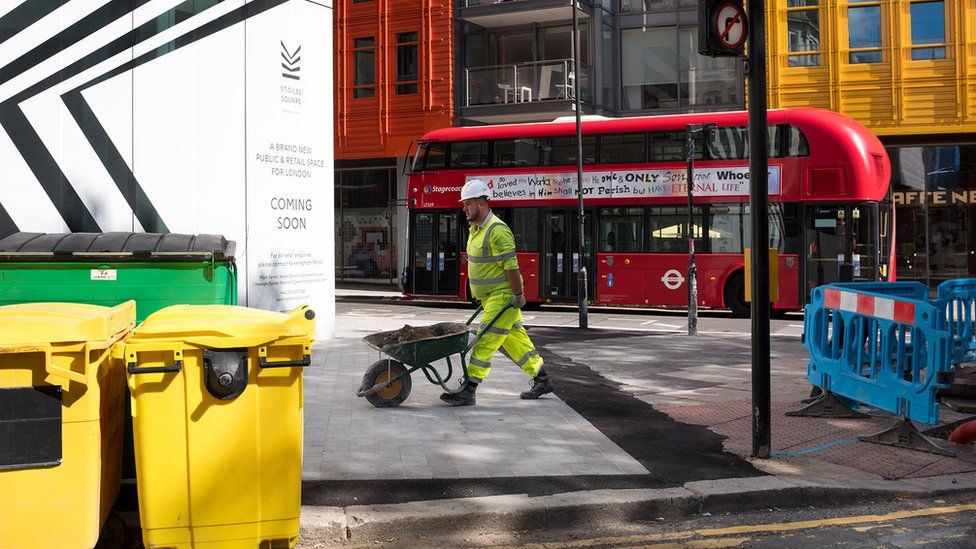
pixel 735 295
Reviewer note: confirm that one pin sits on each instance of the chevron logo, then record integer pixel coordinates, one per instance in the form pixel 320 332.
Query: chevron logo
pixel 290 62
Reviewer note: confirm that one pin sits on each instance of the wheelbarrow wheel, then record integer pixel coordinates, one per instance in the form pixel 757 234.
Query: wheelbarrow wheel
pixel 380 372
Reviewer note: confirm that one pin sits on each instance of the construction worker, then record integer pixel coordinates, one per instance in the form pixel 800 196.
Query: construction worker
pixel 494 278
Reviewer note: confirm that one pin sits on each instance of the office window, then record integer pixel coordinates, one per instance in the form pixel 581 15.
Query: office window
pixel 803 32
pixel 928 30
pixel 364 65
pixel 408 78
pixel 663 70
pixel 864 32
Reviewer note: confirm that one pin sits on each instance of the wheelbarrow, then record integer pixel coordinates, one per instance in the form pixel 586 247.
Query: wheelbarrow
pixel 387 381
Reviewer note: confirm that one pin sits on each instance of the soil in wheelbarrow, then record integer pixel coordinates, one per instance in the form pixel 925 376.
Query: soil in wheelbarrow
pixel 413 333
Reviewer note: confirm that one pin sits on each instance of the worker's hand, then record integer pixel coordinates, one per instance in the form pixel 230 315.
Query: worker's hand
pixel 518 301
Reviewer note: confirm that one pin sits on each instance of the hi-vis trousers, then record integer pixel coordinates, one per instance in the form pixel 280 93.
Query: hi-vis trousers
pixel 508 335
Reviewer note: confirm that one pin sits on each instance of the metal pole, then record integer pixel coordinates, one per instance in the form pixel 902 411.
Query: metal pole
pixel 581 281
pixel 758 210
pixel 690 130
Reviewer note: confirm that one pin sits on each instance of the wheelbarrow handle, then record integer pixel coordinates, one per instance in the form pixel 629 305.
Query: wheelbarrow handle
pixel 485 327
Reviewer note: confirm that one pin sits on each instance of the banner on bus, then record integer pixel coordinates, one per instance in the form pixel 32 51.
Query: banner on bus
pixel 661 183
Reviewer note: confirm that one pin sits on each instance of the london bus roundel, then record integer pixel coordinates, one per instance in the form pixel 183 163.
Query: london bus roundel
pixel 730 25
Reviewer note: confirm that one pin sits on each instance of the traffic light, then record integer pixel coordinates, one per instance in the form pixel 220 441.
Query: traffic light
pixel 722 28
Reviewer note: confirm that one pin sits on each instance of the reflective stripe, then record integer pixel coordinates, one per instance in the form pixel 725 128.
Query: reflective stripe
pixel 475 379
pixel 485 244
pixel 516 325
pixel 486 281
pixel 497 330
pixel 475 362
pixel 526 357
pixel 491 258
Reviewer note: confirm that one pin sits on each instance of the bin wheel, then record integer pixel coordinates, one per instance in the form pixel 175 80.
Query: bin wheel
pixel 113 533
pixel 380 372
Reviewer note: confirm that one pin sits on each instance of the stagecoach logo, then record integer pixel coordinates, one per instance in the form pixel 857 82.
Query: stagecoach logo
pixel 672 279
pixel 427 189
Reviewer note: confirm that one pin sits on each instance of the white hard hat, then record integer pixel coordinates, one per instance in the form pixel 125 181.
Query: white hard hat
pixel 474 189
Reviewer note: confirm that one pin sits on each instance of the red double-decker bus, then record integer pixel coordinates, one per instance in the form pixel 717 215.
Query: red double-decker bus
pixel 828 179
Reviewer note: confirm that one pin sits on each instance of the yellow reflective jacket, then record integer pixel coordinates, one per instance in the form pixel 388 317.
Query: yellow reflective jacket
pixel 491 252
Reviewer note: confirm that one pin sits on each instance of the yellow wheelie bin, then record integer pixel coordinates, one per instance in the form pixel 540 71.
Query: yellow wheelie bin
pixel 217 419
pixel 61 400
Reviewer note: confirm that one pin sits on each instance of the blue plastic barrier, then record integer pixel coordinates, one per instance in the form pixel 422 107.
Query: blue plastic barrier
pixel 881 344
pixel 958 297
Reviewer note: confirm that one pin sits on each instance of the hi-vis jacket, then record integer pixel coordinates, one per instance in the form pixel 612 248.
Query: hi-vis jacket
pixel 491 252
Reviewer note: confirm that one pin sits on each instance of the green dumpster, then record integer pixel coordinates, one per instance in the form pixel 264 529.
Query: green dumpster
pixel 156 270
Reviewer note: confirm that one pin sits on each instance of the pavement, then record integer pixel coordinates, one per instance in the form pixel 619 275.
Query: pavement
pixel 644 425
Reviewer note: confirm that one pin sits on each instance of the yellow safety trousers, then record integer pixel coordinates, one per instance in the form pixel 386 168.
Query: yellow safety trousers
pixel 507 335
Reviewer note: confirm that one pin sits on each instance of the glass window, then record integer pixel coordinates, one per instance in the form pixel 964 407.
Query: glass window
pixel 557 43
pixel 469 154
pixel 733 143
pixel 670 146
pixel 728 228
pixel 407 63
pixel 796 143
pixel 436 156
pixel 650 68
pixel 668 230
pixel 364 63
pixel 928 27
pixel 803 33
pixel 623 148
pixel 705 80
pixel 517 152
pixel 863 32
pixel 562 151
pixel 621 229
pixel 525 227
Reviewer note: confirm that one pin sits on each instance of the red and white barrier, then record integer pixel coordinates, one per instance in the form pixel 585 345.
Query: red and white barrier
pixel 867 305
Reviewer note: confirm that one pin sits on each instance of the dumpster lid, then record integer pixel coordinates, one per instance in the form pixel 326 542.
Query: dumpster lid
pixel 116 245
pixel 43 323
pixel 223 326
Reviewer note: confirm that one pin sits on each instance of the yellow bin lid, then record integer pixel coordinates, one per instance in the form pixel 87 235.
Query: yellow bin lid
pixel 45 323
pixel 223 326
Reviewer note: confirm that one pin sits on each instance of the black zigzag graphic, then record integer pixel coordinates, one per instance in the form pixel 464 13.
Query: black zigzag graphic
pixel 39 159
pixel 290 63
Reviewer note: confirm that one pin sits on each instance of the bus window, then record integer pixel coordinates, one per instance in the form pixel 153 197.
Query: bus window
pixel 796 143
pixel 418 158
pixel 628 147
pixel 526 229
pixel 779 220
pixel 436 156
pixel 562 151
pixel 621 229
pixel 727 228
pixel 469 154
pixel 668 230
pixel 728 143
pixel 669 146
pixel 517 152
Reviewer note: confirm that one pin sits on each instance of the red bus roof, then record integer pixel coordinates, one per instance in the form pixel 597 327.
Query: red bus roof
pixel 801 117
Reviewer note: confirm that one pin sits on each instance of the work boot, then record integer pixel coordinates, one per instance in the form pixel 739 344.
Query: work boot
pixel 541 384
pixel 463 398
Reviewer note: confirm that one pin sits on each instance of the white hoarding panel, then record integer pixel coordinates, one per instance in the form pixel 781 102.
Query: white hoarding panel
pixel 289 160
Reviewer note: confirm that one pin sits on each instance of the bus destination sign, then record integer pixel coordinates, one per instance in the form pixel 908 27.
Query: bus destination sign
pixel 727 181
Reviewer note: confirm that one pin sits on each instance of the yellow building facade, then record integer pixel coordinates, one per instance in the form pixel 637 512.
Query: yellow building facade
pixel 907 70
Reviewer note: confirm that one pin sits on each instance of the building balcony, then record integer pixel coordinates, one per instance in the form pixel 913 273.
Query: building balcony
pixel 505 13
pixel 523 92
